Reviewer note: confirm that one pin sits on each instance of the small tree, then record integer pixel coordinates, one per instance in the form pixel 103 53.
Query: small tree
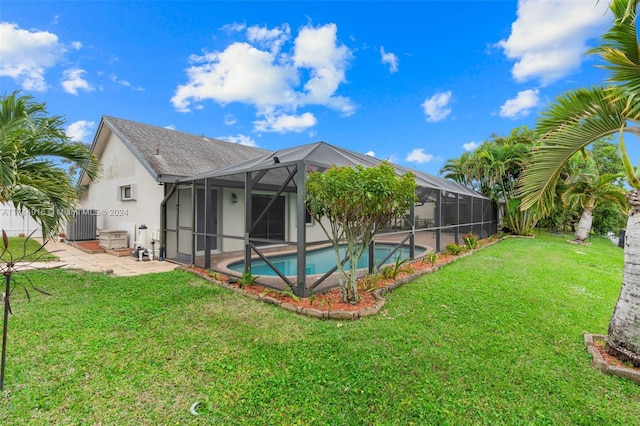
pixel 357 202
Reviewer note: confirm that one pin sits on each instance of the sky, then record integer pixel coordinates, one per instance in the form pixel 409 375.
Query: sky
pixel 416 82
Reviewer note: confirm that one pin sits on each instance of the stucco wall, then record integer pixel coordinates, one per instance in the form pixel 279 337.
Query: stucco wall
pixel 232 220
pixel 15 222
pixel 121 168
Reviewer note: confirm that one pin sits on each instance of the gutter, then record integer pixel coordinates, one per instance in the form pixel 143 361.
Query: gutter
pixel 163 220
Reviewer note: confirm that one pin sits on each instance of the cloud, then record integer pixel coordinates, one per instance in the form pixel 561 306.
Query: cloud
pixel 419 156
pixel 270 38
pixel 170 127
pixel 521 105
pixel 73 81
pixel 80 131
pixel 436 108
pixel 390 59
pixel 370 153
pixel 76 45
pixel 125 83
pixel 470 146
pixel 27 54
pixel 549 38
pixel 230 120
pixel 239 139
pixel 276 84
pixel 285 123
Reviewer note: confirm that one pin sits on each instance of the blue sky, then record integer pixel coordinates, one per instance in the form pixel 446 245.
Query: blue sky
pixel 415 82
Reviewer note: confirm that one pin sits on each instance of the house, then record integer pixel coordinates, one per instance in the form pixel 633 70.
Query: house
pixel 202 199
pixel 138 161
pixel 263 207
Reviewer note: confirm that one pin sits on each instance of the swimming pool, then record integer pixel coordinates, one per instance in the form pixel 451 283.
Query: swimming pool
pixel 319 261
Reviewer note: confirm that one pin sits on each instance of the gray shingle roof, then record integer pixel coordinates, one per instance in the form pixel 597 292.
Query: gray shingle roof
pixel 169 153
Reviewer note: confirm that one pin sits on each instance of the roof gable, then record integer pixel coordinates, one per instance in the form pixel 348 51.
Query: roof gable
pixel 169 154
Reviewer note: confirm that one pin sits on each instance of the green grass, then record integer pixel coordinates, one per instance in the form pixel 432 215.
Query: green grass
pixel 494 338
pixel 21 248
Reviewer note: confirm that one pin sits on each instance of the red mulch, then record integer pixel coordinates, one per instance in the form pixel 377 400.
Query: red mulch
pixel 332 300
pixel 89 245
pixel 610 359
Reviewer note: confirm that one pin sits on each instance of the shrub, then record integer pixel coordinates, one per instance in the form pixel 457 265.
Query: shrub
pixel 471 241
pixel 454 249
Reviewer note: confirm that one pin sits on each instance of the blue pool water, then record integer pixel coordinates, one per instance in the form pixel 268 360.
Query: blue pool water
pixel 319 261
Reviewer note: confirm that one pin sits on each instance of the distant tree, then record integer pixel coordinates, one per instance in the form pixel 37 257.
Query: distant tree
pixel 32 144
pixel 358 202
pixel 607 216
pixel 588 189
pixel 494 169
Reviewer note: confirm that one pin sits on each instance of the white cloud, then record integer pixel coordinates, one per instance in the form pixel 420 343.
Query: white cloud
pixel 370 153
pixel 240 73
pixel 521 104
pixel 470 146
pixel 80 131
pixel 236 27
pixel 27 54
pixel 239 139
pixel 125 83
pixel 256 73
pixel 73 81
pixel 390 59
pixel 549 38
pixel 170 127
pixel 76 45
pixel 270 38
pixel 393 158
pixel 285 123
pixel 230 120
pixel 437 108
pixel 419 156
pixel 317 50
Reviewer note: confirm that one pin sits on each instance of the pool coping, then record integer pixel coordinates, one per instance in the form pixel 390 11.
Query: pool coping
pixel 275 281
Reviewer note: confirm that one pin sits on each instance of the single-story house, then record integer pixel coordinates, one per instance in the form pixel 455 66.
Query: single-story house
pixel 203 199
pixel 138 161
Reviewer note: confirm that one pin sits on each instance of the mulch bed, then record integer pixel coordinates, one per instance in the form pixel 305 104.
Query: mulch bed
pixel 370 289
pixel 610 359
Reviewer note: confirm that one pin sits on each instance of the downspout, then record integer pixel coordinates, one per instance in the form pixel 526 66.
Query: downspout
pixel 163 220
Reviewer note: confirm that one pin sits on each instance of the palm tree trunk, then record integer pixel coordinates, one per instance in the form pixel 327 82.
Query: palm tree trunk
pixel 623 339
pixel 584 225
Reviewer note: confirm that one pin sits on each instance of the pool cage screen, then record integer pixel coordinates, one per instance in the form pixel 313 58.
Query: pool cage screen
pixel 254 206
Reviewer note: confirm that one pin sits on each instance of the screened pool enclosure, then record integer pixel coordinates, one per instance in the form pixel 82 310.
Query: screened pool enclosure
pixel 256 210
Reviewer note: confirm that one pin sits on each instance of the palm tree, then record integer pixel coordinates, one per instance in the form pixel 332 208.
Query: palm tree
pixel 458 169
pixel 587 190
pixel 580 117
pixel 31 144
pixel 493 169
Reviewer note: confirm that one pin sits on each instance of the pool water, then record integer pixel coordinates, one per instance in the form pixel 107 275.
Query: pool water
pixel 320 261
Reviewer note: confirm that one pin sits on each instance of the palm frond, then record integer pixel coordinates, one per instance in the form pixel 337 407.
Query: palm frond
pixel 576 119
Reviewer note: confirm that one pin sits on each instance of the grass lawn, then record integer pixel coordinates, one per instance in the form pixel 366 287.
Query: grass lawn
pixel 494 338
pixel 21 248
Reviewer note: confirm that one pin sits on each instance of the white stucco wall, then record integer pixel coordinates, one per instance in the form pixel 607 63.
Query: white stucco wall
pixel 121 168
pixel 232 220
pixel 15 222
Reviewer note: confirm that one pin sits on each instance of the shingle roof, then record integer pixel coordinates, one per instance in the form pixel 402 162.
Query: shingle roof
pixel 167 153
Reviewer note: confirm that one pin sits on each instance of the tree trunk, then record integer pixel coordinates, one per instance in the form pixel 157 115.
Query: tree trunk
pixel 623 340
pixel 584 225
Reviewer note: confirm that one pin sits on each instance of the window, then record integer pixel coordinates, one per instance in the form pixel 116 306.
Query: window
pixel 308 219
pixel 127 192
pixel 271 225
